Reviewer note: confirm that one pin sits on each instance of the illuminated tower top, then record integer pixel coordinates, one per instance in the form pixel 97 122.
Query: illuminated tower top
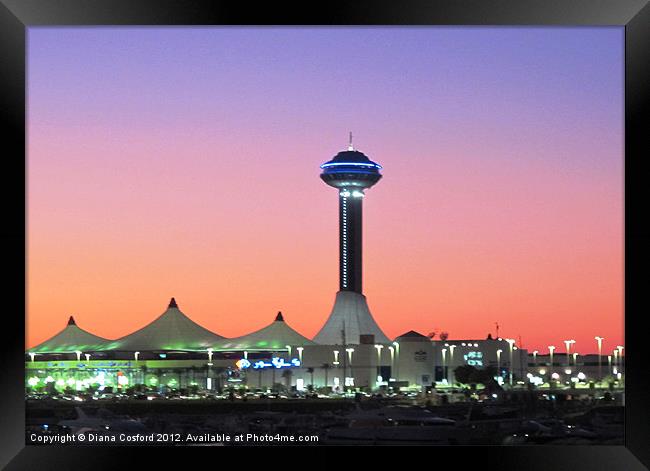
pixel 350 170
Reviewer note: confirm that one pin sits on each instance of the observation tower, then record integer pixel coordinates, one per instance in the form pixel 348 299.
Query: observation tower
pixel 351 172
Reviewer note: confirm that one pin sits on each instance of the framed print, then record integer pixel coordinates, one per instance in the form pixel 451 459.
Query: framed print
pixel 364 224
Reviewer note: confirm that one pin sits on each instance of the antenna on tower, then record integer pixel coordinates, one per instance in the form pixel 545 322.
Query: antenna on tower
pixel 350 143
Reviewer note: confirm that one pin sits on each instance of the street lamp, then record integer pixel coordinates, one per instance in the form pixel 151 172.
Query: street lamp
pixel 444 354
pixel 451 362
pixel 78 355
pixel 568 351
pixel 135 355
pixel 350 351
pixel 499 361
pixel 600 357
pixel 300 349
pixel 511 343
pixel 32 355
pixel 609 364
pixel 396 344
pixel 550 349
pixel 535 352
pixel 379 348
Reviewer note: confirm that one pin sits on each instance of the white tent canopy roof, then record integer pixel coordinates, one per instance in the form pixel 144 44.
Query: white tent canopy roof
pixel 72 339
pixel 275 336
pixel 172 330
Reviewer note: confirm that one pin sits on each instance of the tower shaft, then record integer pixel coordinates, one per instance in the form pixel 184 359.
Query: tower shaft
pixel 350 243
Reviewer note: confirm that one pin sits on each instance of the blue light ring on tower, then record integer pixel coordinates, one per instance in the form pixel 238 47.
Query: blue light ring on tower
pixel 345 170
pixel 353 157
pixel 351 164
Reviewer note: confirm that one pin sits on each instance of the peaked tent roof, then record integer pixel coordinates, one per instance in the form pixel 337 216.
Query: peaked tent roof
pixel 72 339
pixel 275 336
pixel 172 330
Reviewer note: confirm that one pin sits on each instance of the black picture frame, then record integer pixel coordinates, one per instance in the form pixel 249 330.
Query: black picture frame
pixel 633 15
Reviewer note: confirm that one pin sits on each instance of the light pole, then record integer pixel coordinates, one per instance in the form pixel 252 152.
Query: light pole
pixel 135 355
pixel 78 355
pixel 32 355
pixel 451 363
pixel 535 352
pixel 208 373
pixel 396 344
pixel 609 364
pixel 550 368
pixel 616 359
pixel 379 347
pixel 444 354
pixel 600 357
pixel 568 351
pixel 511 343
pixel 300 349
pixel 620 357
pixel 350 351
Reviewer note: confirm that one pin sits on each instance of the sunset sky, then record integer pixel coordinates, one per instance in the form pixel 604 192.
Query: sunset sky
pixel 185 162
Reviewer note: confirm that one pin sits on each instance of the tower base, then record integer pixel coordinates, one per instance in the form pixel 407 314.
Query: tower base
pixel 351 315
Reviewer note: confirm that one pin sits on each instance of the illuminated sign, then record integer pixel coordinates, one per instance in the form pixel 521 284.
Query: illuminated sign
pixel 274 363
pixel 474 358
pixel 243 363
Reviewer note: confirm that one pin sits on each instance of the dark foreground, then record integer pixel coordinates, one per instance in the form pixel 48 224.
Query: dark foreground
pixel 369 421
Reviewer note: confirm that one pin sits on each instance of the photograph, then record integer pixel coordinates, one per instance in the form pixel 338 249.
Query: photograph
pixel 324 235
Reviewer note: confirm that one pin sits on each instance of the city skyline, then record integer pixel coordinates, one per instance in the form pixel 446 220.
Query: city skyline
pixel 184 162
